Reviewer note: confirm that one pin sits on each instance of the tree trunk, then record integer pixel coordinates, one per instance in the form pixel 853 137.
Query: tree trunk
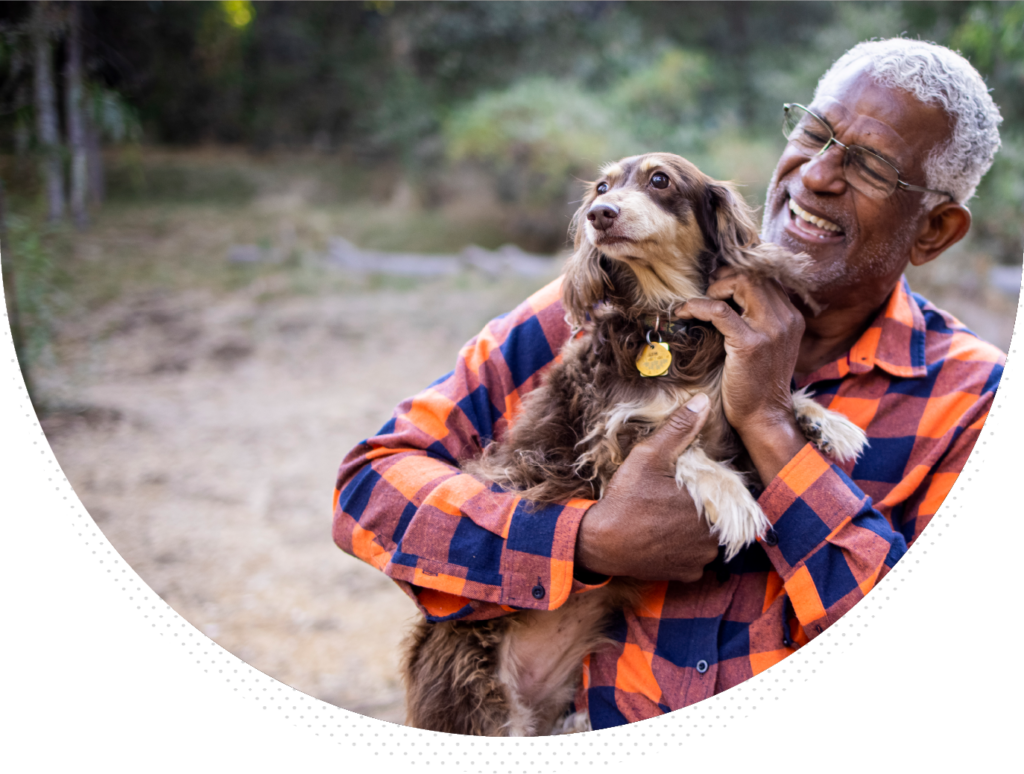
pixel 94 154
pixel 74 96
pixel 46 109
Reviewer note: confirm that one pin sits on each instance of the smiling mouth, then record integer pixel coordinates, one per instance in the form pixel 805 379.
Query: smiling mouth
pixel 812 225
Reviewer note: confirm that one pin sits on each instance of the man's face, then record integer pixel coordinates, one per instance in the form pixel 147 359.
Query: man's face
pixel 864 246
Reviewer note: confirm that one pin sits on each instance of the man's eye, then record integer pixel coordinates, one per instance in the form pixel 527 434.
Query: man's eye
pixel 872 171
pixel 602 188
pixel 659 180
pixel 815 137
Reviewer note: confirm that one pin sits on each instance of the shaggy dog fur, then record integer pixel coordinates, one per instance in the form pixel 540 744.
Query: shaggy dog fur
pixel 648 236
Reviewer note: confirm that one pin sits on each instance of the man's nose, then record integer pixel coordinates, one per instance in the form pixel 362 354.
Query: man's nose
pixel 823 173
pixel 603 215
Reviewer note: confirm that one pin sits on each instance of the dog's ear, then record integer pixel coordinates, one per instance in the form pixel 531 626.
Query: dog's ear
pixel 585 281
pixel 732 239
pixel 730 231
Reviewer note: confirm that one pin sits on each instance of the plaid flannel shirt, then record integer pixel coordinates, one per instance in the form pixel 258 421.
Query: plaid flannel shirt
pixel 917 381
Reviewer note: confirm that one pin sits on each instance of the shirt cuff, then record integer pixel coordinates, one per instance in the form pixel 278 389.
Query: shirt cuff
pixel 807 503
pixel 826 542
pixel 539 555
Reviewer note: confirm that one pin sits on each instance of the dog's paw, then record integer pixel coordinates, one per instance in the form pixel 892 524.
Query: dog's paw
pixel 575 723
pixel 831 432
pixel 720 492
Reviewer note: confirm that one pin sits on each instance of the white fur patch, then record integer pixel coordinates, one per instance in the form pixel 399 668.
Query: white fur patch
pixel 842 438
pixel 653 411
pixel 612 169
pixel 576 723
pixel 649 163
pixel 719 491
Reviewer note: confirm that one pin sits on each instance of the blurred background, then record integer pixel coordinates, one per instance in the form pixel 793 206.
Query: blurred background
pixel 234 235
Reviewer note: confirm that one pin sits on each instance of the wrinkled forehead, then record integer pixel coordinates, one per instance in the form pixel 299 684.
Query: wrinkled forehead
pixel 881 117
pixel 637 167
pixel 863 129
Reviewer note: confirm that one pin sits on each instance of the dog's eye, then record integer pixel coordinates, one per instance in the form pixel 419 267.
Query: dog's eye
pixel 602 188
pixel 659 180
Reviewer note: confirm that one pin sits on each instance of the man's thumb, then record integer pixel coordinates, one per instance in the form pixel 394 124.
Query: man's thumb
pixel 682 427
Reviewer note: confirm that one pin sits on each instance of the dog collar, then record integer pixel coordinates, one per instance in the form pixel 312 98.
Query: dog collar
pixel 655 323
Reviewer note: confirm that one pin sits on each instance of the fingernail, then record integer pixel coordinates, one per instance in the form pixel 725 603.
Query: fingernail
pixel 697 403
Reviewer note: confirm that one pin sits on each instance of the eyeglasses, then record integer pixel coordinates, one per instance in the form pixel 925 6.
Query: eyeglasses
pixel 867 172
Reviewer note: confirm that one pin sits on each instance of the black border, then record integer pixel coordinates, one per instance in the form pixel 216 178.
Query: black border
pixel 97 671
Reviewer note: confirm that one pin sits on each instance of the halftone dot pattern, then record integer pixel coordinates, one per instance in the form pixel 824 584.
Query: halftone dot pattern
pixel 607 749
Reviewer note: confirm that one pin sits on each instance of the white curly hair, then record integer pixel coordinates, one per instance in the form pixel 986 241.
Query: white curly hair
pixel 936 75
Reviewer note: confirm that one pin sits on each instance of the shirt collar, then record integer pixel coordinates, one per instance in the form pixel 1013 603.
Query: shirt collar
pixel 894 342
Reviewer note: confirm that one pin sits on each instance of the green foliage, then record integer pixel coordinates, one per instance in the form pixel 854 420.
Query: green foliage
pixel 32 247
pixel 535 136
pixel 239 13
pixel 999 201
pixel 992 34
pixel 533 92
pixel 664 101
pixel 108 111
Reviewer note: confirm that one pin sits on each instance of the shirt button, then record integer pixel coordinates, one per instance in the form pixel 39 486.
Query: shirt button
pixel 538 592
pixel 771 538
pixel 702 666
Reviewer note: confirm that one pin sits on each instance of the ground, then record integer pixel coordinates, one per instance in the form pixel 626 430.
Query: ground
pixel 209 453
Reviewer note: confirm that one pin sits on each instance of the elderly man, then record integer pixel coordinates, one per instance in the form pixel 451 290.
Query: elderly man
pixel 875 174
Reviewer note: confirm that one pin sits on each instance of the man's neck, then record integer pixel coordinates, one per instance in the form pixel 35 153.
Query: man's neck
pixel 832 333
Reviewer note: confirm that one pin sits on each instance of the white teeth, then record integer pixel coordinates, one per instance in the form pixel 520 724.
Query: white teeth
pixel 819 222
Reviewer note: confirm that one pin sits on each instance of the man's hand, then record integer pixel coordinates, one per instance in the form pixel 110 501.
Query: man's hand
pixel 761 349
pixel 645 526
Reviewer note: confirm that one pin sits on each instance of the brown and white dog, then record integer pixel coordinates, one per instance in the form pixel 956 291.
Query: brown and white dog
pixel 648 236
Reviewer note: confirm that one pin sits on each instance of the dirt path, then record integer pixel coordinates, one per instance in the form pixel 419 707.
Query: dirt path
pixel 209 451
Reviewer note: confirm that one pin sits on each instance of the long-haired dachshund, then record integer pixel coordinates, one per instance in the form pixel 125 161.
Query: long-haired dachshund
pixel 648 236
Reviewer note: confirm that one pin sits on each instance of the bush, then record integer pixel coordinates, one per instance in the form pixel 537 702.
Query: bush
pixel 999 202
pixel 29 254
pixel 662 101
pixel 535 136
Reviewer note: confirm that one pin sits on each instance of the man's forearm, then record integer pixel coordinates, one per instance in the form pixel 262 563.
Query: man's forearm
pixel 772 444
pixel 645 526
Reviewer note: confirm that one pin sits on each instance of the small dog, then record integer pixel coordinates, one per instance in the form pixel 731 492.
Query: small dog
pixel 648 236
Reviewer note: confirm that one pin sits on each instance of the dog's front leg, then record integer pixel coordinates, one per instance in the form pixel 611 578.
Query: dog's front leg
pixel 834 434
pixel 720 492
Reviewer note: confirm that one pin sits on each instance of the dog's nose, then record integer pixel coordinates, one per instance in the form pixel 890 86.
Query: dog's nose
pixel 603 215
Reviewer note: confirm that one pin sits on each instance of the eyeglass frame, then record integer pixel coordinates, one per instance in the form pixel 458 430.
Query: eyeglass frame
pixel 900 185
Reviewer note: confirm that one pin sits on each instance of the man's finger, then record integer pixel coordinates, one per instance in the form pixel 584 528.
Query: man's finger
pixel 760 301
pixel 681 429
pixel 719 314
pixel 723 272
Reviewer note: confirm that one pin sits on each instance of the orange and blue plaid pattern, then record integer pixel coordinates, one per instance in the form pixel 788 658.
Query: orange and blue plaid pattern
pixel 917 381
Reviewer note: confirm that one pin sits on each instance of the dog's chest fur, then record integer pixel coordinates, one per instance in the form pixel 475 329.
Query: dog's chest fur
pixel 594 406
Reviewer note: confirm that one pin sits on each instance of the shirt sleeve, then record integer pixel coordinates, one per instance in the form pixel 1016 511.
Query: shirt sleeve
pixel 460 548
pixel 831 545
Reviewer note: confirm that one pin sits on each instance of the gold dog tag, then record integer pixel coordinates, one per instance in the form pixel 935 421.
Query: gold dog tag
pixel 654 359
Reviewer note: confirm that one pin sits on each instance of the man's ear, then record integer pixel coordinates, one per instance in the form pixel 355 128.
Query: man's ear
pixel 943 227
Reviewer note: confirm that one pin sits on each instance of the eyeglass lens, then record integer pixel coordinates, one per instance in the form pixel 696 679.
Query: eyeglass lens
pixel 863 170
